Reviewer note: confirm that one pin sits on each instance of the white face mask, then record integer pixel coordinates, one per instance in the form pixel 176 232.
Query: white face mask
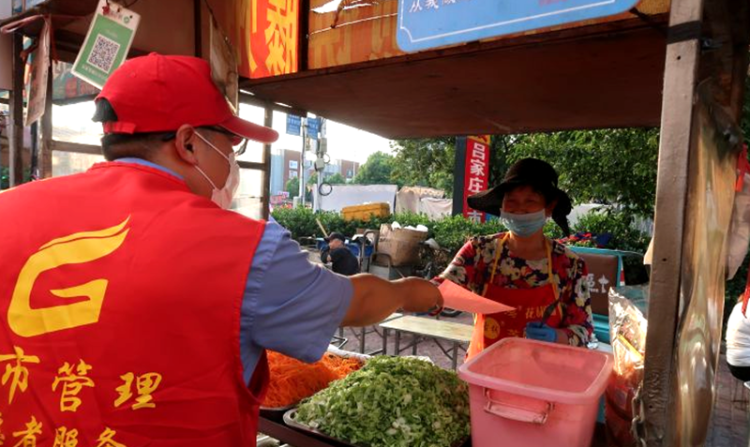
pixel 224 196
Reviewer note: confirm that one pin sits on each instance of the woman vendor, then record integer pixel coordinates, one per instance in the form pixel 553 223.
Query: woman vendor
pixel 544 281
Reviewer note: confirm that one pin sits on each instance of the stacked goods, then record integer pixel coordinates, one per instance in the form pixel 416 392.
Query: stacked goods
pixel 292 380
pixel 629 328
pixel 392 401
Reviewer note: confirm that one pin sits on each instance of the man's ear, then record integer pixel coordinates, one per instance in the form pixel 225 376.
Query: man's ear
pixel 184 142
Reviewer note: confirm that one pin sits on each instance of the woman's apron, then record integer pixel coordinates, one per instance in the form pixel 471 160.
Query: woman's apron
pixel 530 305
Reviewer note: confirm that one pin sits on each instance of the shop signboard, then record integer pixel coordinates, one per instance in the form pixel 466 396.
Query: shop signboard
pixel 266 33
pixel 425 24
pixel 477 172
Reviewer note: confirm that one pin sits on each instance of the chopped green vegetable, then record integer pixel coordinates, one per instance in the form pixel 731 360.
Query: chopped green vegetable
pixel 393 402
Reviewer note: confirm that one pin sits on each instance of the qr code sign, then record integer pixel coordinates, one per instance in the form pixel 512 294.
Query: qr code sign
pixel 104 53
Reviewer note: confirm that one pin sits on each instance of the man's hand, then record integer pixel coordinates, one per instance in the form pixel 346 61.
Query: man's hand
pixel 375 298
pixel 422 295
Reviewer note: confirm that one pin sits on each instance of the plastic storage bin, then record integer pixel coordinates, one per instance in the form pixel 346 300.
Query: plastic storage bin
pixel 364 212
pixel 601 328
pixel 535 394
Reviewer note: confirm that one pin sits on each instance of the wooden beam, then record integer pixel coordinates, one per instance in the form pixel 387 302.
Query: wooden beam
pixel 303 42
pixel 46 144
pixel 198 27
pixel 254 165
pixel 76 100
pixel 265 199
pixel 246 98
pixel 64 146
pixel 16 114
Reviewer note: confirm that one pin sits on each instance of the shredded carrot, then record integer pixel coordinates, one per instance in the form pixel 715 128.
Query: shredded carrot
pixel 292 380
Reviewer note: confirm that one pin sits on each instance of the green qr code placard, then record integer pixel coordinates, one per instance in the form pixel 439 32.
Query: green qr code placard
pixel 106 45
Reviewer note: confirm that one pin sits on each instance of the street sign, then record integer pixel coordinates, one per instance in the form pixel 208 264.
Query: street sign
pixel 313 127
pixel 293 124
pixel 424 24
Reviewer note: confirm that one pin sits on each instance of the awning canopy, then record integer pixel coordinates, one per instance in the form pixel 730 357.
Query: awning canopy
pixel 597 76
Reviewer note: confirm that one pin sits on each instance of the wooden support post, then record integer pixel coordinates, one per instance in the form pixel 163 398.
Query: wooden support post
pixel 45 152
pixel 34 159
pixel 680 79
pixel 266 195
pixel 15 138
pixel 685 68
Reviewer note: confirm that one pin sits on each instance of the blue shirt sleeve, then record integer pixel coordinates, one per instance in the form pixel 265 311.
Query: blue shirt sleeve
pixel 290 305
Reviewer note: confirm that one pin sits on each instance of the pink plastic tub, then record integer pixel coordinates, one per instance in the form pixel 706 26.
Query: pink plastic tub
pixel 535 394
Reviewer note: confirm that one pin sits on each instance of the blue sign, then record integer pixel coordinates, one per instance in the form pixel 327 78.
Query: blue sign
pixel 425 24
pixel 293 125
pixel 313 127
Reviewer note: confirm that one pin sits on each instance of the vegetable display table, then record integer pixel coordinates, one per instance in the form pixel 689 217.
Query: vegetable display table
pixel 422 328
pixel 274 427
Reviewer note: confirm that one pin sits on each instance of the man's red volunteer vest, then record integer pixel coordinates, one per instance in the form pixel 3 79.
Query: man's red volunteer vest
pixel 120 295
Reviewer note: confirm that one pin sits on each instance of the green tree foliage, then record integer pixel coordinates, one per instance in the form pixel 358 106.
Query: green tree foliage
pixel 335 179
pixel 608 166
pixel 292 187
pixel 614 166
pixel 377 170
pixel 425 162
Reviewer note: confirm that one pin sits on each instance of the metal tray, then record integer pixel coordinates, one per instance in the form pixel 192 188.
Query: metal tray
pixel 289 420
pixel 275 413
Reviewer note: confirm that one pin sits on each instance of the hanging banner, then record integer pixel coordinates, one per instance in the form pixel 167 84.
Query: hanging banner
pixel 37 74
pixel 477 173
pixel 425 24
pixel 224 65
pixel 268 33
pixel 107 43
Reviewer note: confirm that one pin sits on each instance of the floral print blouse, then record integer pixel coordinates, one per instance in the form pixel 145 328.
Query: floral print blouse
pixel 472 268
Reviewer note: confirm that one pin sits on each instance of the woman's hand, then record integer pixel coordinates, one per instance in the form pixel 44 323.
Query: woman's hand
pixel 538 331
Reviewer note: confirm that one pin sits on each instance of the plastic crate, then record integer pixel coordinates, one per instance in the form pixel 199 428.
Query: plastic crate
pixel 366 211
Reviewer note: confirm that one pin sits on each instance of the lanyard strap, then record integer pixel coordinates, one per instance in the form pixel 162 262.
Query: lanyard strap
pixel 548 247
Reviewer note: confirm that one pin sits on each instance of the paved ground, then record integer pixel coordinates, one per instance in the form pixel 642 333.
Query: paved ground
pixel 729 425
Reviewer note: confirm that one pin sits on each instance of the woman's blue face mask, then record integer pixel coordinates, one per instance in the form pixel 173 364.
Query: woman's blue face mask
pixel 524 225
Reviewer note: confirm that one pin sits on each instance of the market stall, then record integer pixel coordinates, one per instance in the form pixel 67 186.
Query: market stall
pixel 682 66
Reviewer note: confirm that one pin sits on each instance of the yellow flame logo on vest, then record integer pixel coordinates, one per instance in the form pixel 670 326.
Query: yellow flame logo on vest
pixel 78 248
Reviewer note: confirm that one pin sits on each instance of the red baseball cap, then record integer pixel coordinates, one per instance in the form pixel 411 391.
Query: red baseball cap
pixel 157 93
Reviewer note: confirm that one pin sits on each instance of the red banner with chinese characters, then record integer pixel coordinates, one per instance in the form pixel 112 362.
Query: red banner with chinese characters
pixel 477 174
pixel 267 34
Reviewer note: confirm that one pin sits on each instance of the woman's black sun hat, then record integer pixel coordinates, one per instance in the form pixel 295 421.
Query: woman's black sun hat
pixel 533 172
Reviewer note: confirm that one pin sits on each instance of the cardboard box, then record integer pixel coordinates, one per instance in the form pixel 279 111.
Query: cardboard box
pixel 401 245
